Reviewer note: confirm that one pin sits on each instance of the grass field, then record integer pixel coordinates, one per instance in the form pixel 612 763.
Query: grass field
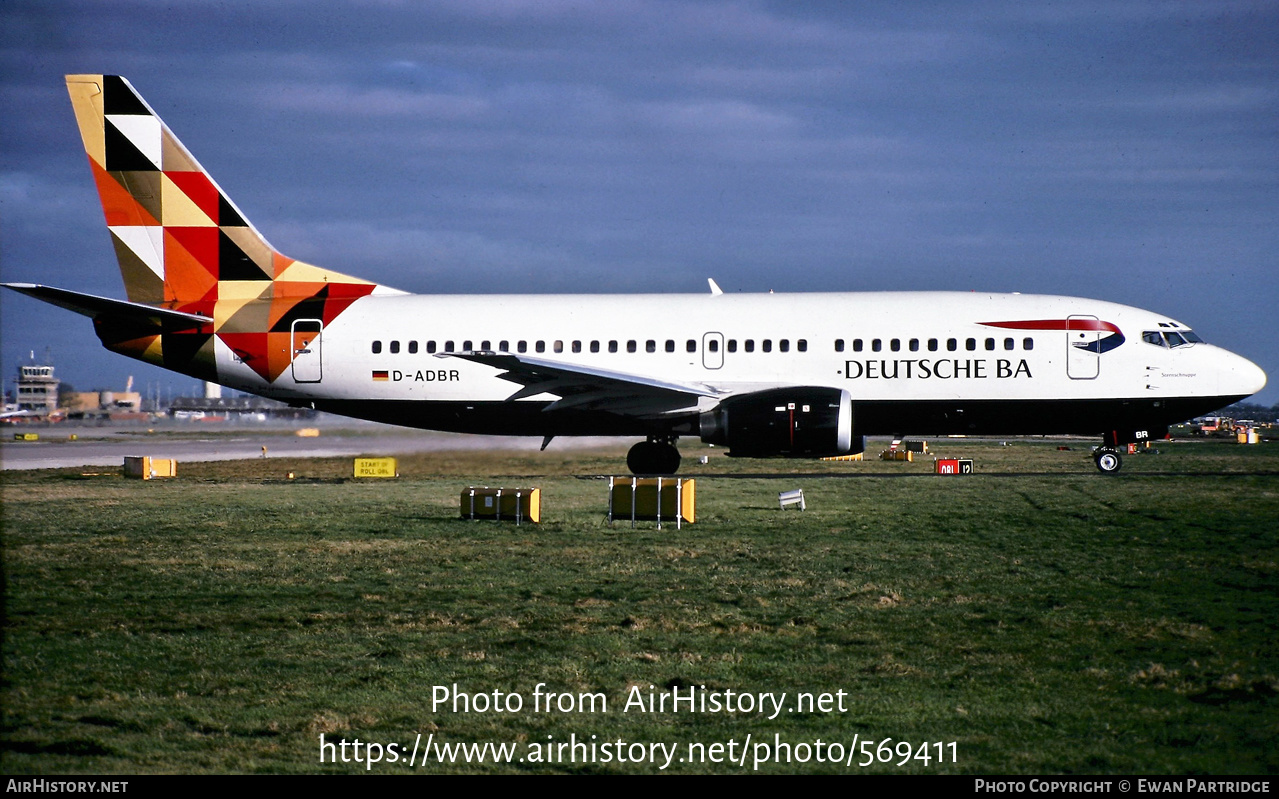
pixel 1042 617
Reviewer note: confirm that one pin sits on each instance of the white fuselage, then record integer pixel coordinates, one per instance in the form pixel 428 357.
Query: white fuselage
pixel 880 347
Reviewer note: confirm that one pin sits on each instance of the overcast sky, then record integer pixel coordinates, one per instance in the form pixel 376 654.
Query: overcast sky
pixel 1127 151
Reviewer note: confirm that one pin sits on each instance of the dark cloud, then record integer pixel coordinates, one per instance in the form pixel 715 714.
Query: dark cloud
pixel 1121 151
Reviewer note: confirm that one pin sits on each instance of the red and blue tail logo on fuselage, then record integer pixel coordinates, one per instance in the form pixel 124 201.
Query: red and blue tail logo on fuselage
pixel 1112 337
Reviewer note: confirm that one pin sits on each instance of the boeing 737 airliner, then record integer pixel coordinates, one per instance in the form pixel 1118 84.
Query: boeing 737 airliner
pixel 795 375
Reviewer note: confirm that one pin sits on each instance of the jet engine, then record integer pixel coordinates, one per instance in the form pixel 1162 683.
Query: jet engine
pixel 798 422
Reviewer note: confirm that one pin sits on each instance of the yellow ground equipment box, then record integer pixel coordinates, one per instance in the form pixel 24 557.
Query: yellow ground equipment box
pixel 652 498
pixel 897 455
pixel 148 468
pixel 376 467
pixel 502 504
pixel 26 436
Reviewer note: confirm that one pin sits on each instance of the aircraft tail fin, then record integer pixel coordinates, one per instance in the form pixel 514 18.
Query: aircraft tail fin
pixel 180 241
pixel 184 247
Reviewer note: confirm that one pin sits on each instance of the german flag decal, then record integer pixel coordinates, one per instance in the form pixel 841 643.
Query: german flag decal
pixel 381 374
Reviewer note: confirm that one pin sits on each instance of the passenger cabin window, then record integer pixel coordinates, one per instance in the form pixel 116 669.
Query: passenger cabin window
pixel 631 346
pixel 713 345
pixel 690 345
pixel 895 345
pixel 650 346
pixel 486 345
pixel 377 347
pixel 839 345
pixel 952 345
pixel 595 346
pixel 612 346
pixel 670 345
pixel 876 345
pixel 914 345
pixel 802 345
pixel 504 346
pixel 413 347
pixel 558 346
pixel 932 345
pixel 1009 344
pixel 766 345
pixel 521 346
pixel 749 345
pixel 466 345
pixel 732 345
pixel 577 346
pixel 990 344
pixel 1028 343
pixel 395 347
pixel 857 345
pixel 784 345
pixel 448 346
pixel 970 344
pixel 540 346
pixel 430 346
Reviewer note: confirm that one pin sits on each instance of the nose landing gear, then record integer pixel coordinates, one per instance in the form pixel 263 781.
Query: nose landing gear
pixel 654 456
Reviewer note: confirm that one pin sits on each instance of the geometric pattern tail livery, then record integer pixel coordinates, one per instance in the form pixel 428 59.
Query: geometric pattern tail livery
pixel 183 245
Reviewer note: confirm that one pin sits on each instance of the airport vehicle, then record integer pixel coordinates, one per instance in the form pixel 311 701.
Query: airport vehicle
pixel 798 375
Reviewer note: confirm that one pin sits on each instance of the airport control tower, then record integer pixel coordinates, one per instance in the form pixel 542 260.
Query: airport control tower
pixel 37 388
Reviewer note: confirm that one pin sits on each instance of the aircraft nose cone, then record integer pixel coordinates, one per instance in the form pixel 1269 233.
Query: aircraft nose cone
pixel 1244 377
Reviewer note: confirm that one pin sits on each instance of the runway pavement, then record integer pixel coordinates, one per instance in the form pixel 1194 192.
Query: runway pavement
pixel 195 441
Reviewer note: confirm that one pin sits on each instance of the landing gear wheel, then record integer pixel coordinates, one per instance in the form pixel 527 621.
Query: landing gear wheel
pixel 1107 460
pixel 653 457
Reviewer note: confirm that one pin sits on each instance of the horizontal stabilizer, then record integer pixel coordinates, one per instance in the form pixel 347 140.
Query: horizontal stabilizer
pixel 95 307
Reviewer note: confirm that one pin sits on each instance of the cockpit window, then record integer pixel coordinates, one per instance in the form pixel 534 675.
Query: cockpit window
pixel 1170 338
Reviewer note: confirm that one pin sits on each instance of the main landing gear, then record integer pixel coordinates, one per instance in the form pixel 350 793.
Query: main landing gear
pixel 654 456
pixel 1107 460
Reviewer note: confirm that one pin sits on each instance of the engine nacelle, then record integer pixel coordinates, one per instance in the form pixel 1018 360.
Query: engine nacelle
pixel 799 422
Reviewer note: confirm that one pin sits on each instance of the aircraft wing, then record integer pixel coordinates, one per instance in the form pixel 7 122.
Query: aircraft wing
pixel 588 388
pixel 93 306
